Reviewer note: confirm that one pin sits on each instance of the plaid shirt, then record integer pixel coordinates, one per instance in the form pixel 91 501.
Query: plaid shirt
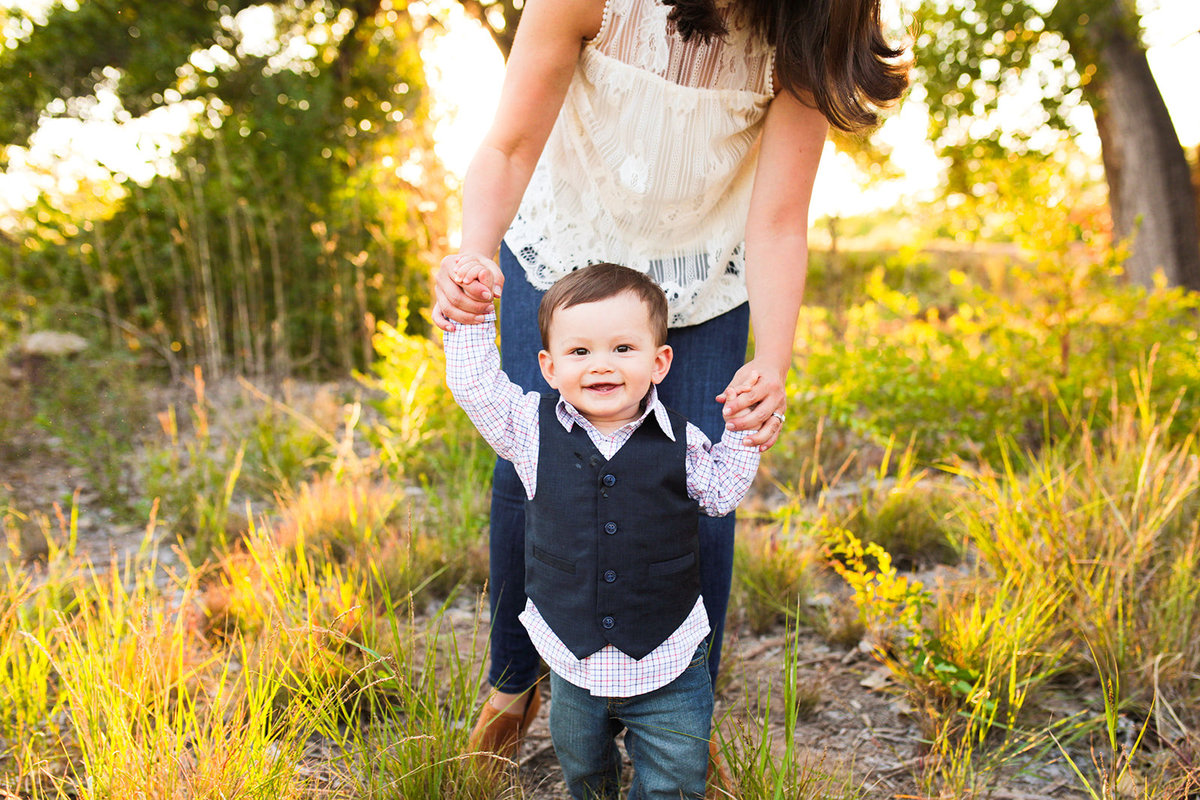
pixel 718 477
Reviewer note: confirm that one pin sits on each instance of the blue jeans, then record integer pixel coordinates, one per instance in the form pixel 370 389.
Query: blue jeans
pixel 666 736
pixel 706 357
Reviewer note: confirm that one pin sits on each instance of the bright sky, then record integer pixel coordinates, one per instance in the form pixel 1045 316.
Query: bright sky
pixel 465 71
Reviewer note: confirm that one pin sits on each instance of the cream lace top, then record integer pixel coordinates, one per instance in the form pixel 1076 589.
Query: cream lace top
pixel 651 161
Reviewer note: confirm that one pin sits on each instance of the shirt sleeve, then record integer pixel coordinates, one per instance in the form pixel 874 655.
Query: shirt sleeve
pixel 505 416
pixel 719 475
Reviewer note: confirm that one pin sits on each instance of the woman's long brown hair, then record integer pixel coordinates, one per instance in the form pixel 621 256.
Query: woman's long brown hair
pixel 831 53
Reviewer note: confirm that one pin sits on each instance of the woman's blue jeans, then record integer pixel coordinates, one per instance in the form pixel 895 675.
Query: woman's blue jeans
pixel 706 357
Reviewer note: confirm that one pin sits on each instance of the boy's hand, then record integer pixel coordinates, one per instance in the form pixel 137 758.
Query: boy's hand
pixel 474 269
pixel 464 287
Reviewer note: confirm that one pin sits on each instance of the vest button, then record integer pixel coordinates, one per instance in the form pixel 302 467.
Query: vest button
pixel 608 623
pixel 609 480
pixel 610 576
pixel 610 528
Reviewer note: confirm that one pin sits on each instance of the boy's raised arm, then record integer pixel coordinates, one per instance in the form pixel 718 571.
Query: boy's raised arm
pixel 720 475
pixel 503 414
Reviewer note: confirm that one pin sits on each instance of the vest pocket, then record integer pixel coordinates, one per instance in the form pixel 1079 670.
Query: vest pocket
pixel 551 560
pixel 671 565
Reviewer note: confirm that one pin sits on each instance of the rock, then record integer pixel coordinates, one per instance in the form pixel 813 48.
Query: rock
pixel 51 344
pixel 877 679
pixel 39 348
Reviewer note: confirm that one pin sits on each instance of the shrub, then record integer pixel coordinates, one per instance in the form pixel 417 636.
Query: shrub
pixel 424 438
pixel 776 569
pixel 953 381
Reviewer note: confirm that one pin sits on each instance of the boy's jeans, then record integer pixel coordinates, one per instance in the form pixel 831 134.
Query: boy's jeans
pixel 706 357
pixel 666 735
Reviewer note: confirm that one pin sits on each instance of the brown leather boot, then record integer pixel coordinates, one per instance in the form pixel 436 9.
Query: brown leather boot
pixel 501 732
pixel 719 782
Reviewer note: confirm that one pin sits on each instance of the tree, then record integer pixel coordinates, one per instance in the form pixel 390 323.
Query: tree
pixel 305 198
pixel 498 17
pixel 975 56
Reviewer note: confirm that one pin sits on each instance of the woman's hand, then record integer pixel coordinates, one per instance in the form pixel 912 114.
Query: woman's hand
pixel 755 401
pixel 544 55
pixel 464 287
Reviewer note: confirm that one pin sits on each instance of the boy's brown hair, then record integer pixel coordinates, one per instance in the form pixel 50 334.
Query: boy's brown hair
pixel 600 282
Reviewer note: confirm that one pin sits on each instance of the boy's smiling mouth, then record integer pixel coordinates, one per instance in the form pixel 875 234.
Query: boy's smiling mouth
pixel 603 388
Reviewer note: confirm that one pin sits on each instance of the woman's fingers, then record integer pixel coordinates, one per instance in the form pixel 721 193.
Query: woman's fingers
pixel 755 401
pixel 456 303
pixel 439 318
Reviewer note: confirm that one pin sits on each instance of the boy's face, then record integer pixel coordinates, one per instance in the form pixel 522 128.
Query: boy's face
pixel 603 358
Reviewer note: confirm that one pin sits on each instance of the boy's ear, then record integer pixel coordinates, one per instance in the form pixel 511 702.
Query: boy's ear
pixel 546 362
pixel 662 363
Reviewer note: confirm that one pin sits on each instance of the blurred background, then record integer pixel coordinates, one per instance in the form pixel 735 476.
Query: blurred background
pixel 250 186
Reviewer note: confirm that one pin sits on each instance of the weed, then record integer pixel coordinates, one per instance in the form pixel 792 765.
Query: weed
pixel 776 568
pixel 904 511
pixel 1108 524
pixel 765 762
pixel 93 414
pixel 423 438
pixel 969 670
pixel 218 459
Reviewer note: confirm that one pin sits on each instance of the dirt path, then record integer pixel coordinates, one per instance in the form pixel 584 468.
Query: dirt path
pixel 852 730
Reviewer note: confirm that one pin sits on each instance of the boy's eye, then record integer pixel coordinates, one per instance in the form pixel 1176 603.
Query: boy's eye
pixel 579 351
pixel 624 348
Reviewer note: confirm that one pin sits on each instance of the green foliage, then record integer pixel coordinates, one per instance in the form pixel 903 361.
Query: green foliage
pixel 974 55
pixel 1004 79
pixel 423 436
pixel 1059 340
pixel 839 279
pixel 65 56
pixel 304 199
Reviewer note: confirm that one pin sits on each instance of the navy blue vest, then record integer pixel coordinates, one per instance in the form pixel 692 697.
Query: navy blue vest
pixel 611 549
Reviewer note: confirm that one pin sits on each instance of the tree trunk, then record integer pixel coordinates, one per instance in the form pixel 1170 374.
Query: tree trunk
pixel 504 33
pixel 1149 182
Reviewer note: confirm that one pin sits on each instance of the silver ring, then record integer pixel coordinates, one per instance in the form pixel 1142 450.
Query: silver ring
pixel 777 416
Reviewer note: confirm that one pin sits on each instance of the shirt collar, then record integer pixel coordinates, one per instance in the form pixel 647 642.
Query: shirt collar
pixel 569 416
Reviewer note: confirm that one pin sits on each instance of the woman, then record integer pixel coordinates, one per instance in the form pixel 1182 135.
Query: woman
pixel 680 138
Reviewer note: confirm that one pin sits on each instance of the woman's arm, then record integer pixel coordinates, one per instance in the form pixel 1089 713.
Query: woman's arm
pixel 776 262
pixel 540 65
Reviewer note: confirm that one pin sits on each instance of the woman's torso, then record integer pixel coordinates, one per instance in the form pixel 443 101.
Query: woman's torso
pixel 651 161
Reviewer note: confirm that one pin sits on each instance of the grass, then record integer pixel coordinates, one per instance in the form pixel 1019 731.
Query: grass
pixel 330 621
pixel 1088 547
pixel 122 681
pixel 316 632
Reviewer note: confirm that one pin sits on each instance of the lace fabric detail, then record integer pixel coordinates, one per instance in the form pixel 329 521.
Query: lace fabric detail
pixel 651 161
pixel 637 33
